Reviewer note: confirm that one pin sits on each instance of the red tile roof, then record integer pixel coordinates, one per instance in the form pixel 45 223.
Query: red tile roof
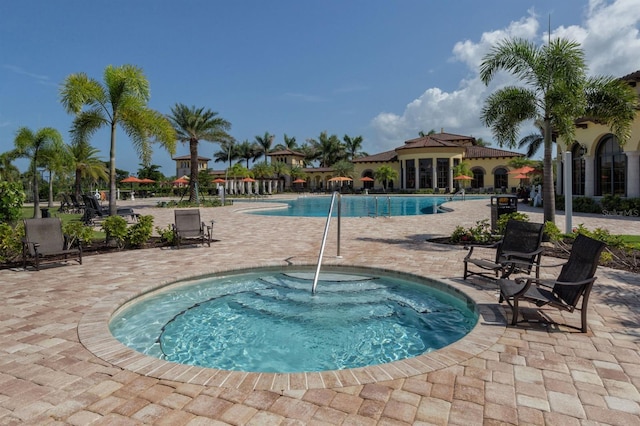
pixel 381 157
pixel 488 152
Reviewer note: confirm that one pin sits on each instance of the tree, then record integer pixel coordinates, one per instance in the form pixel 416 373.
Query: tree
pixel 193 124
pixel 152 171
pixel 328 149
pixel 422 134
pixel 56 159
pixel 556 92
pixel 384 174
pixel 264 144
pixel 343 168
pixel 353 147
pixel 227 153
pixel 247 151
pixel 9 172
pixel 31 145
pixel 86 164
pixel 120 101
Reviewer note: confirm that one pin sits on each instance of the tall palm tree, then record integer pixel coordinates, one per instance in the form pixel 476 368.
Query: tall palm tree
pixel 193 124
pixel 265 142
pixel 121 100
pixel 32 145
pixel 86 164
pixel 247 151
pixel 556 92
pixel 56 159
pixel 228 152
pixel 353 147
pixel 289 143
pixel 329 149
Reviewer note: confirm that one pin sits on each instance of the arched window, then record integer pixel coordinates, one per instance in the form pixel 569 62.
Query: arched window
pixel 611 167
pixel 500 178
pixel 577 168
pixel 478 177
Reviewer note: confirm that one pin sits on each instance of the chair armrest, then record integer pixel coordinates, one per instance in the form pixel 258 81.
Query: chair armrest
pixel 551 283
pixel 522 254
pixel 471 247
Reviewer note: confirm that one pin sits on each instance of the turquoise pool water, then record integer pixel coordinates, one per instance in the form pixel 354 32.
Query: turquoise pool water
pixel 358 206
pixel 268 321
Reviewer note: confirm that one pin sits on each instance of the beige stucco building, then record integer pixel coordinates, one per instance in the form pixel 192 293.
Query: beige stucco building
pixel 600 165
pixel 183 165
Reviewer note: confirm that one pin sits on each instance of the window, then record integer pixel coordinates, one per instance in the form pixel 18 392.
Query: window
pixel 611 167
pixel 411 174
pixel 443 172
pixel 478 178
pixel 426 172
pixel 500 178
pixel 577 168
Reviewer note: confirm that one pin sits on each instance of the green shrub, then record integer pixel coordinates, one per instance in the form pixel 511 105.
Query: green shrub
pixel 552 231
pixel 586 205
pixel 78 233
pixel 10 242
pixel 481 233
pixel 140 232
pixel 11 199
pixel 115 228
pixel 166 234
pixel 501 223
pixel 600 234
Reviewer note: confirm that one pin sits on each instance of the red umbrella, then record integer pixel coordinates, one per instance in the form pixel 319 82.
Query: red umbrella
pixel 219 180
pixel 463 177
pixel 366 179
pixel 180 181
pixel 522 170
pixel 248 179
pixel 521 176
pixel 299 181
pixel 147 180
pixel 340 179
pixel 131 179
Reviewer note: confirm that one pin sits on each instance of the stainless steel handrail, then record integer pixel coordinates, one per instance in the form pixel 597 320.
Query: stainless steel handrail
pixel 335 195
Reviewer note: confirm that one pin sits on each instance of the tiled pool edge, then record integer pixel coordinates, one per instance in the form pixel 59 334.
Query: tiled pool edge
pixel 94 334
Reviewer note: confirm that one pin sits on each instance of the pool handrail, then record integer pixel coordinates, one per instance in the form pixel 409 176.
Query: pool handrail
pixel 335 195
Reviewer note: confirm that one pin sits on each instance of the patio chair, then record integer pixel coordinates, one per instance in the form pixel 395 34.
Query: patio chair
pixel 65 203
pixel 94 210
pixel 569 292
pixel 188 226
pixel 78 206
pixel 45 242
pixel 518 251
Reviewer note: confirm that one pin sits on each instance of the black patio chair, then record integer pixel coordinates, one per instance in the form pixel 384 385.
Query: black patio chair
pixel 518 251
pixel 44 242
pixel 65 203
pixel 188 226
pixel 94 211
pixel 78 205
pixel 569 292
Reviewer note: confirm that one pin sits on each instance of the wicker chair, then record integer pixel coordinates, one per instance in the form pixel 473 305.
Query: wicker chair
pixel 569 292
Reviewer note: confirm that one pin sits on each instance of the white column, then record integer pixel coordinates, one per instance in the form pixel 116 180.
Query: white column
pixel 450 183
pixel 434 173
pixel 633 174
pixel 568 193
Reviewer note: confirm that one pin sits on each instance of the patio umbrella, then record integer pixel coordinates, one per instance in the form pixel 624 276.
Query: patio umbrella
pixel 219 180
pixel 522 170
pixel 147 180
pixel 181 181
pixel 299 181
pixel 463 179
pixel 248 179
pixel 131 180
pixel 366 179
pixel 340 179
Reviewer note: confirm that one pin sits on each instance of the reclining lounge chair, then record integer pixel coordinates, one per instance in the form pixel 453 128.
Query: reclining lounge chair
pixel 188 226
pixel 45 242
pixel 93 210
pixel 518 251
pixel 572 286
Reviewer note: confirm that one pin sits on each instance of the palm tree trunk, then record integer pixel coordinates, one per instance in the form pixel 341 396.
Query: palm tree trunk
pixel 548 192
pixel 36 195
pixel 77 185
pixel 50 189
pixel 112 171
pixel 193 151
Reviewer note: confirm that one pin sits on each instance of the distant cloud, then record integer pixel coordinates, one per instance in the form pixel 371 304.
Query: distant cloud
pixel 42 79
pixel 609 37
pixel 304 97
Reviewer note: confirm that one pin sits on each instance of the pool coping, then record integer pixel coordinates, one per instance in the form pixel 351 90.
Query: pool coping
pixel 94 335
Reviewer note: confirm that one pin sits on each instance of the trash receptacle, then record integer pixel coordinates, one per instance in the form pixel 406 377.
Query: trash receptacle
pixel 44 212
pixel 502 204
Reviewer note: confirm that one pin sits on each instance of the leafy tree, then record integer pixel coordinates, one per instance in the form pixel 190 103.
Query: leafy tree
pixel 264 145
pixel 556 92
pixel 86 165
pixel 33 146
pixel 152 171
pixel 56 159
pixel 297 172
pixel 192 125
pixel 227 153
pixel 328 149
pixel 247 151
pixel 343 168
pixel 384 174
pixel 121 100
pixel 482 142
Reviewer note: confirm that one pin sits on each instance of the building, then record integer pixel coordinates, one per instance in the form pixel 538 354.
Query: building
pixel 600 165
pixel 183 165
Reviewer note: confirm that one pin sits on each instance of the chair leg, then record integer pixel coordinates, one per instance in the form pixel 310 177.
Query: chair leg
pixel 514 312
pixel 465 271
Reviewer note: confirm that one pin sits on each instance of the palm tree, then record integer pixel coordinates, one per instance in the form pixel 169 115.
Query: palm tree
pixel 9 172
pixel 227 153
pixel 329 149
pixel 353 147
pixel 384 174
pixel 264 143
pixel 56 159
pixel 557 93
pixel 152 171
pixel 193 124
pixel 32 145
pixel 262 171
pixel 247 151
pixel 121 100
pixel 86 164
pixel 343 168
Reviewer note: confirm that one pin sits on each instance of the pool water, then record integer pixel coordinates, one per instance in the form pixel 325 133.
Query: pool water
pixel 268 321
pixel 358 206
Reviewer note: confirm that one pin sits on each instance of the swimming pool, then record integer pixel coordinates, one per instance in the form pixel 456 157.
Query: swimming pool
pixel 357 206
pixel 268 320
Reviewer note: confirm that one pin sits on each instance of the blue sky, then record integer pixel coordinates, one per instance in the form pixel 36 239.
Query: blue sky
pixel 381 69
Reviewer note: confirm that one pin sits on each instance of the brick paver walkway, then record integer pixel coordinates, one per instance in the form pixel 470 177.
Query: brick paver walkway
pixel 59 365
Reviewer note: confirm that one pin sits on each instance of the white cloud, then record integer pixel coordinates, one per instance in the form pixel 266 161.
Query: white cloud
pixel 609 36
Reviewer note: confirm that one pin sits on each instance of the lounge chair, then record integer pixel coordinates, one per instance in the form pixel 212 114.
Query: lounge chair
pixel 188 226
pixel 94 210
pixel 573 285
pixel 65 203
pixel 45 242
pixel 518 251
pixel 78 206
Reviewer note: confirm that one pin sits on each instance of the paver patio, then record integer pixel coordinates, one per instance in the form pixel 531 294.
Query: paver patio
pixel 58 365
